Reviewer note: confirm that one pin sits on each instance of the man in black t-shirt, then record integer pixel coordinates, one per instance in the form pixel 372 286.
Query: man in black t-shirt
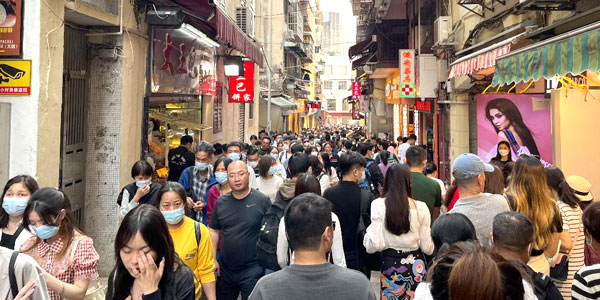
pixel 181 157
pixel 237 216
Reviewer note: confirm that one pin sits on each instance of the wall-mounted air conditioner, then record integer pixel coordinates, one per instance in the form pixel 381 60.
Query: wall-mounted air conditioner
pixel 441 29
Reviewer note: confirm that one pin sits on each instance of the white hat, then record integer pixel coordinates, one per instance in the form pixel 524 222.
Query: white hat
pixel 581 187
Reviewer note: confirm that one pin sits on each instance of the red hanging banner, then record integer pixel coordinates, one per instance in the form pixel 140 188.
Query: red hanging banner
pixel 356 90
pixel 241 88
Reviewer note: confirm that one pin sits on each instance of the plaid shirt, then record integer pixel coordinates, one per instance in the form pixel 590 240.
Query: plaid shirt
pixel 78 262
pixel 199 188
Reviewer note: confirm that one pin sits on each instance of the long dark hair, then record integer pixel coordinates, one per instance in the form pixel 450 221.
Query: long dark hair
pixel 510 110
pixel 498 157
pixel 451 228
pixel 557 183
pixel 317 166
pixel 494 182
pixel 307 183
pixel 327 168
pixel 384 155
pixel 149 222
pixel 396 190
pixel 48 204
pixel 452 189
pixel 28 182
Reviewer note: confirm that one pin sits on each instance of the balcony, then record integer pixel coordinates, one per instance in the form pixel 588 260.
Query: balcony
pixel 295 47
pixel 105 5
pixel 308 49
pixel 307 25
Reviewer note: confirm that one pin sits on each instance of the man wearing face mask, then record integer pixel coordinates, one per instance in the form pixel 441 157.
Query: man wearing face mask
pixel 197 180
pixel 309 229
pixel 346 198
pixel 252 156
pixel 468 170
pixel 234 152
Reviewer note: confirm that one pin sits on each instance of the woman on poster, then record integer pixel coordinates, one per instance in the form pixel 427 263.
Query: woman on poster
pixel 506 119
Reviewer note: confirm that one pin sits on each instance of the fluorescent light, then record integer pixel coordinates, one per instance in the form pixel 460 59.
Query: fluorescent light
pixel 232 70
pixel 234 66
pixel 197 34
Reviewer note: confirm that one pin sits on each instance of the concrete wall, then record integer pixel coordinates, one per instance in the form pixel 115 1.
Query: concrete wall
pixel 575 123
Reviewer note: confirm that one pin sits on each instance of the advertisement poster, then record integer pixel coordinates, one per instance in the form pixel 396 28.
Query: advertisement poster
pixel 11 15
pixel 241 88
pixel 181 64
pixel 521 120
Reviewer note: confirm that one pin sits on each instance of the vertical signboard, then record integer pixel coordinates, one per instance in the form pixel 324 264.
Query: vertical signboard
pixel 356 90
pixel 241 88
pixel 11 28
pixel 407 73
pixel 356 110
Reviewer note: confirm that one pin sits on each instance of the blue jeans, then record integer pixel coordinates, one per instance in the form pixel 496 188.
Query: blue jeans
pixel 231 283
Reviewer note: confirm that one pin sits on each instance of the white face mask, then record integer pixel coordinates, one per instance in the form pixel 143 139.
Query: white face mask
pixel 253 164
pixel 503 152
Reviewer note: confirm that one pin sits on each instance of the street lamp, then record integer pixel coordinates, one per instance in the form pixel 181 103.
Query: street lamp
pixel 234 66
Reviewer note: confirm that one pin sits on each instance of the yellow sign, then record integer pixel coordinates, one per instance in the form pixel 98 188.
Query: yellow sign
pixel 15 77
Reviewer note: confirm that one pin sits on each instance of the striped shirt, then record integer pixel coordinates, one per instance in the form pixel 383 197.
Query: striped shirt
pixel 572 222
pixel 586 284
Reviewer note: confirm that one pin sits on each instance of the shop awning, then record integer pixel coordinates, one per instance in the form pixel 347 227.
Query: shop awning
pixel 359 47
pixel 282 102
pixel 225 28
pixel 362 61
pixel 482 59
pixel 572 52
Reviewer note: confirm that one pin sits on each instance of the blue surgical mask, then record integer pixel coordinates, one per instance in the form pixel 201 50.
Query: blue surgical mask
pixel 140 184
pixel 221 177
pixel 275 156
pixel 173 216
pixel 234 156
pixel 317 140
pixel 14 206
pixel 201 166
pixel 272 171
pixel 45 232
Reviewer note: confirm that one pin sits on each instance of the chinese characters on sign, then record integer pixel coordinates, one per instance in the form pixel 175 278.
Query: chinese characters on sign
pixel 423 105
pixel 356 110
pixel 356 90
pixel 15 77
pixel 407 72
pixel 241 88
pixel 11 28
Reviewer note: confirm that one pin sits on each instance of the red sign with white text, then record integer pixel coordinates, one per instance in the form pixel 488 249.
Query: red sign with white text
pixel 241 88
pixel 356 90
pixel 407 66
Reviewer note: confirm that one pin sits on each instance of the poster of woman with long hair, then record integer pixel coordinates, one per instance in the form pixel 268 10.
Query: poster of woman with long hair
pixel 521 121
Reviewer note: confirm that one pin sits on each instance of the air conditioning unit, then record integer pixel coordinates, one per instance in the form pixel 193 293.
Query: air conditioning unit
pixel 427 65
pixel 244 18
pixel 441 29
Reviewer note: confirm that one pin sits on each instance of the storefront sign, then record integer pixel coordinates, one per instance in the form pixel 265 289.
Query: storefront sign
pixel 11 28
pixel 241 88
pixel 181 64
pixel 407 73
pixel 356 110
pixel 356 90
pixel 424 105
pixel 15 77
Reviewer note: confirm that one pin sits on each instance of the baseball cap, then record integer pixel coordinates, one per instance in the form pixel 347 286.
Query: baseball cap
pixel 581 187
pixel 469 165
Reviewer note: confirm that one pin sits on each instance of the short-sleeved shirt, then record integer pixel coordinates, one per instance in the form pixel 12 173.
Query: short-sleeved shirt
pixel 78 262
pixel 239 221
pixel 426 190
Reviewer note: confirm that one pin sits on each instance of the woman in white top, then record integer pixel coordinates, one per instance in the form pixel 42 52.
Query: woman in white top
pixel 400 228
pixel 317 170
pixel 14 201
pixel 279 169
pixel 268 183
pixel 308 183
pixel 328 169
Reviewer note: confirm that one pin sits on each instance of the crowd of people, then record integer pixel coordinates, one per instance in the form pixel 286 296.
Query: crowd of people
pixel 313 215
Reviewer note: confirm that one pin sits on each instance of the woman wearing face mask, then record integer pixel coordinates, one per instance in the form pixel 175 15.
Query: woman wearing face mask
pixel 141 191
pixel 504 155
pixel 191 239
pixel 222 186
pixel 279 169
pixel 65 253
pixel 268 182
pixel 17 192
pixel 147 266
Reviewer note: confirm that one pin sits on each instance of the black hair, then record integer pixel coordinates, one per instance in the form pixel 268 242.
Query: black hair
pixel 234 144
pixel 404 140
pixel 186 139
pixel 297 148
pixel 150 223
pixel 494 182
pixel 48 203
pixel 306 218
pixel 307 183
pixel 298 163
pixel 512 113
pixel 264 164
pixel 512 230
pixel 205 146
pixel 498 157
pixel 218 148
pixel 557 183
pixel 347 144
pixel 225 160
pixel 397 190
pixel 430 168
pixel 364 148
pixel 412 137
pixel 141 167
pixel 452 228
pixel 252 151
pixel 415 156
pixel 308 150
pixel 172 186
pixel 317 166
pixel 30 184
pixel 327 167
pixel 266 137
pixel 591 220
pixel 349 161
pixel 253 137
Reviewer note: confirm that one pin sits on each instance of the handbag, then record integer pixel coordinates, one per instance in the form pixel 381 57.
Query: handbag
pixel 560 269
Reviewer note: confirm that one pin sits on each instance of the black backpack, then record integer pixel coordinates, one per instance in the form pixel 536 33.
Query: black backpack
pixel 266 247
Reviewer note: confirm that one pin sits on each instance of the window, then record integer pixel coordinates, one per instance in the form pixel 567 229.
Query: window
pixel 244 18
pixel 331 104
pixel 218 109
pixel 346 106
pixel 343 85
pixel 327 84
